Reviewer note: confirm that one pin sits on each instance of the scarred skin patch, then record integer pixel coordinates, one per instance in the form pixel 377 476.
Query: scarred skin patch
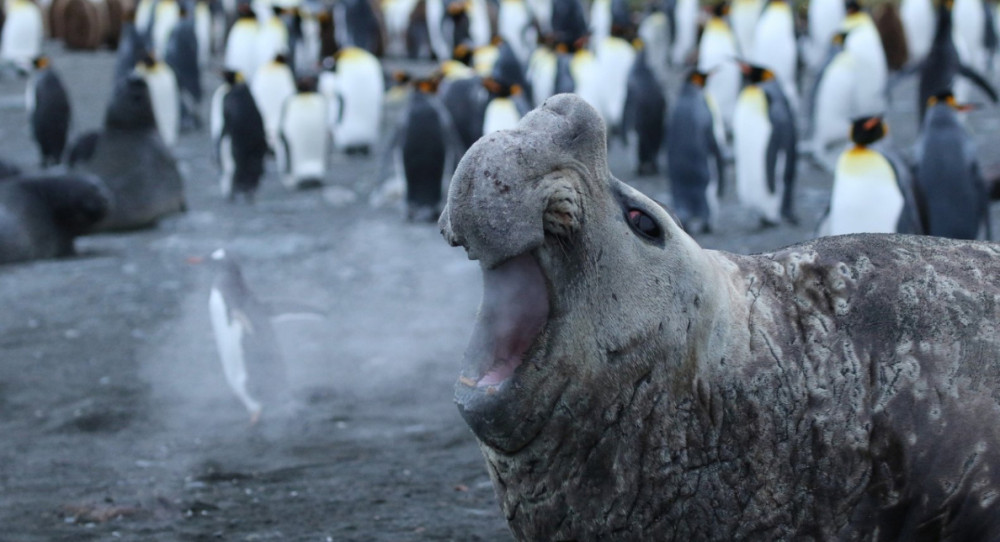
pixel 847 388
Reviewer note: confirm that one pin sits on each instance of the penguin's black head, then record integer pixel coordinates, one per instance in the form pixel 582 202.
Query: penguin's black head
pixel 868 130
pixel 720 9
pixel 501 89
pixel 280 58
pixel 40 62
pixel 426 85
pixel 697 78
pixel 306 83
pixel 457 9
pixel 130 107
pixel 245 11
pixel 147 59
pixel 852 6
pixel 277 10
pixel 231 77
pixel 755 74
pixel 462 53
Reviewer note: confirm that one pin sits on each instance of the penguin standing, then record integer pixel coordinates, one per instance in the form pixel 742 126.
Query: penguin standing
pixel 426 145
pixel 694 157
pixel 764 146
pixel 541 73
pixel 775 48
pixel 686 31
pixel 272 38
pixel 872 189
pixel 163 92
pixel 182 57
pixel 304 142
pixel 832 103
pixel 203 29
pixel 358 25
pixel 743 17
pixel 951 193
pixel 871 67
pixel 465 98
pixel 357 102
pixel 505 108
pixel 244 335
pixel 825 17
pixel 215 116
pixel 569 24
pixel 397 18
pixel 241 44
pixel 969 18
pixel 166 14
pixel 242 145
pixel 717 52
pixel 49 111
pixel 514 27
pixel 21 39
pixel 917 17
pixel 615 56
pixel 271 86
pixel 645 112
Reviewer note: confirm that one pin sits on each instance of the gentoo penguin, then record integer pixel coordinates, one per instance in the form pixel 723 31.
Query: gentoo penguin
pixel 241 44
pixel 686 31
pixel 775 47
pixel 426 145
pixel 242 145
pixel 645 114
pixel 942 63
pixel 357 24
pixel 41 216
pixel 743 17
pixel 272 38
pixel 166 13
pixel 918 21
pixel 951 193
pixel 356 112
pixel 21 39
pixel 304 142
pixel 872 69
pixel 764 146
pixel 717 51
pixel 131 160
pixel 49 111
pixel 872 188
pixel 824 18
pixel 182 57
pixel 694 157
pixel 164 94
pixel 131 46
pixel 832 104
pixel 244 335
pixel 271 85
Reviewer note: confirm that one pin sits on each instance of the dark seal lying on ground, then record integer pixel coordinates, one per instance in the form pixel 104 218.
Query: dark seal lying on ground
pixel 41 216
pixel 626 384
pixel 132 160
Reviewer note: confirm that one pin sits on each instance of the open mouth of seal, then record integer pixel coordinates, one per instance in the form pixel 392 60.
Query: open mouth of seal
pixel 513 314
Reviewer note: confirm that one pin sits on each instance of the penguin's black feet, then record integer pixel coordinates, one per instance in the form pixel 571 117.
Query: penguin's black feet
pixel 647 169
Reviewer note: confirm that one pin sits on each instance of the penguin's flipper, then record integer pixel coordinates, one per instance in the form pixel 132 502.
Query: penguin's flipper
pixel 719 160
pixel 979 80
pixel 771 164
pixel 284 155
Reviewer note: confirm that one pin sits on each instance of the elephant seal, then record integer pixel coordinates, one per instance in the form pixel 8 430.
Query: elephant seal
pixel 132 161
pixel 41 216
pixel 626 384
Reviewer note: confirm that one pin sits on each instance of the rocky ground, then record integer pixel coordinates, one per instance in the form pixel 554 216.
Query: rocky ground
pixel 115 421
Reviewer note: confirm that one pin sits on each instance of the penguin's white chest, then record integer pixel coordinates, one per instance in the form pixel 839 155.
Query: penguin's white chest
pixel 774 46
pixel 229 341
pixel 241 48
pixel 751 137
pixel 162 85
pixel 501 114
pixel 21 39
pixel 304 139
pixel 834 102
pixel 361 92
pixel 271 86
pixel 865 195
pixel 716 52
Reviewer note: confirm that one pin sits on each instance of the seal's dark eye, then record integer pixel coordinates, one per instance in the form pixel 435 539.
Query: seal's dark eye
pixel 643 224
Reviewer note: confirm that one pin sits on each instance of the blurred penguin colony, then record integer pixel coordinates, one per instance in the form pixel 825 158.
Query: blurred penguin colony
pixel 728 96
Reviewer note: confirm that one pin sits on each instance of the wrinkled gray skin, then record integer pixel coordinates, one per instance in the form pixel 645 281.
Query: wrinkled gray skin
pixel 847 388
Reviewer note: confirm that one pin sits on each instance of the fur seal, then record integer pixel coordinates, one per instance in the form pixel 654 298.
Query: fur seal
pixel 132 161
pixel 626 384
pixel 41 216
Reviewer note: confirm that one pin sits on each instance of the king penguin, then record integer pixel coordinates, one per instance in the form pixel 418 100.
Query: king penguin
pixel 871 67
pixel 272 38
pixel 685 31
pixel 872 188
pixel 506 106
pixel 764 147
pixel 645 114
pixel 832 104
pixel 166 13
pixel 242 145
pixel 952 195
pixel 215 119
pixel 241 43
pixel 694 157
pixel 182 57
pixel 49 111
pixel 21 39
pixel 717 52
pixel 775 48
pixel 271 85
pixel 304 142
pixel 743 17
pixel 244 335
pixel 358 101
pixel 825 17
pixel 162 85
pixel 918 24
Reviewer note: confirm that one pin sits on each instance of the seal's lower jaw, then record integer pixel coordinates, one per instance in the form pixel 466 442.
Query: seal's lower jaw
pixel 511 320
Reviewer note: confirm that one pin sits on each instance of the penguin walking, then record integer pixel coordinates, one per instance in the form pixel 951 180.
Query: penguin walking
pixel 163 92
pixel 242 144
pixel 304 142
pixel 271 85
pixel 356 115
pixel 695 163
pixel 49 110
pixel 952 195
pixel 872 188
pixel 23 31
pixel 245 337
pixel 775 48
pixel 182 57
pixel 645 114
pixel 426 145
pixel 241 43
pixel 764 147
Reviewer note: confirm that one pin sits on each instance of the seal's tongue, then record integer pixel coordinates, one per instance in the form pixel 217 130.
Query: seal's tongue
pixel 514 311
